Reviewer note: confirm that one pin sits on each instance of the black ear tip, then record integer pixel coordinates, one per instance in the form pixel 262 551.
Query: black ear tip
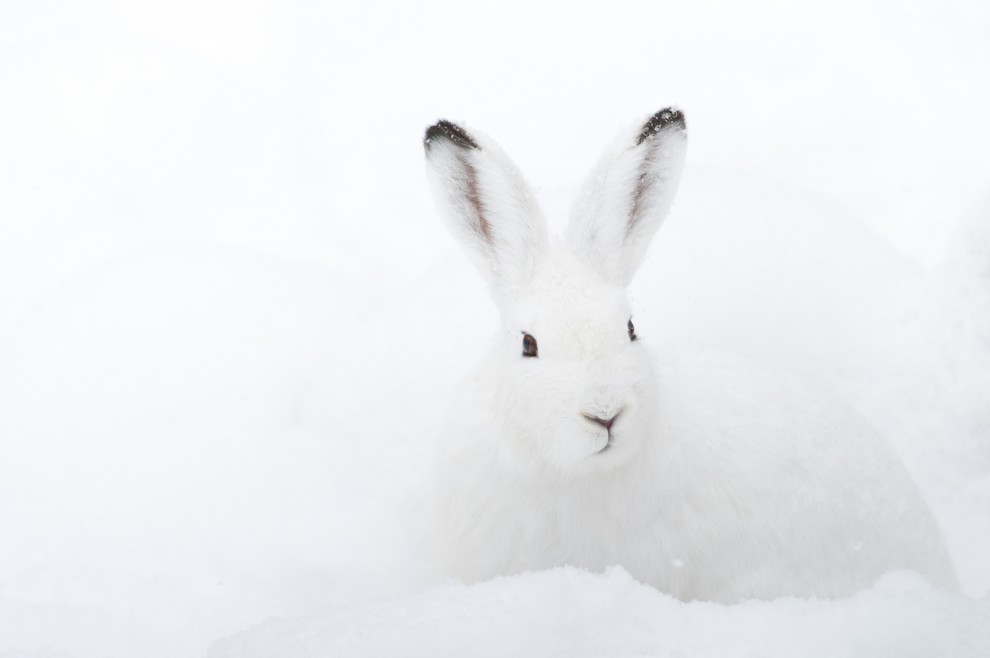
pixel 449 131
pixel 667 117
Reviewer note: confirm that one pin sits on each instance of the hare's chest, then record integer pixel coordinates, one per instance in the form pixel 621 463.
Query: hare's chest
pixel 591 528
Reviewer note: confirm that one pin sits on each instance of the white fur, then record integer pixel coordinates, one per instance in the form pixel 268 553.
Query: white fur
pixel 719 481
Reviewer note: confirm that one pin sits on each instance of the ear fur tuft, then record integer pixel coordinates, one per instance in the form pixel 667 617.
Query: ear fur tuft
pixel 450 131
pixel 667 117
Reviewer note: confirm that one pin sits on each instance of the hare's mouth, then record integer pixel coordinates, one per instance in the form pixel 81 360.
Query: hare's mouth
pixel 607 424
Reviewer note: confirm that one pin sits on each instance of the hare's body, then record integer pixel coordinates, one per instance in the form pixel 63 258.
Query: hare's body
pixel 711 507
pixel 570 446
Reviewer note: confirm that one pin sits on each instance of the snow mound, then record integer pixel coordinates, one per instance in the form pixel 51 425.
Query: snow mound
pixel 569 612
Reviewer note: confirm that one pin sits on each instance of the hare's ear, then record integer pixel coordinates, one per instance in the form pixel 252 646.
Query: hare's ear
pixel 485 204
pixel 628 194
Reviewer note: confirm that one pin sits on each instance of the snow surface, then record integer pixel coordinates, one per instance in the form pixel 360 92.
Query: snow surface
pixel 230 318
pixel 566 612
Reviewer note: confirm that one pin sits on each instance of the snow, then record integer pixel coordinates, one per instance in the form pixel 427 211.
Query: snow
pixel 566 612
pixel 230 318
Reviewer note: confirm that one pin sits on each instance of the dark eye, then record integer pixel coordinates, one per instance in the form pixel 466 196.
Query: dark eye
pixel 529 345
pixel 632 330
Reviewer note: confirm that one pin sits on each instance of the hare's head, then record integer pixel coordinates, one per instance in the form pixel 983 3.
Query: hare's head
pixel 572 384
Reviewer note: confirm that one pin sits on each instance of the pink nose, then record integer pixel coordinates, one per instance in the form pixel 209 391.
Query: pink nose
pixel 604 422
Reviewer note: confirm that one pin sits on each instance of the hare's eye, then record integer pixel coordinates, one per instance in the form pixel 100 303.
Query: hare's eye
pixel 529 345
pixel 632 330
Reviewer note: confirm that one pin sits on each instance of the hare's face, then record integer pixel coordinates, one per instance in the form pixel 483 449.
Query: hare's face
pixel 574 370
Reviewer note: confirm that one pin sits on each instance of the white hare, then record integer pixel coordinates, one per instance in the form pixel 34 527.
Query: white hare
pixel 572 445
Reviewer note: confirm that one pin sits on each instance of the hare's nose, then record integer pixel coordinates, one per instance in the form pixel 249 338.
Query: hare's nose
pixel 604 422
